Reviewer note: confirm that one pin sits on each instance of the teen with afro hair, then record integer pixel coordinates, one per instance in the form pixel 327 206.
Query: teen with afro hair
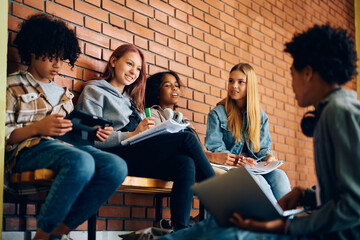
pixel 35 110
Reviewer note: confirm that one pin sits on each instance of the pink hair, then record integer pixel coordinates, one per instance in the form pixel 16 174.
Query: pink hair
pixel 136 90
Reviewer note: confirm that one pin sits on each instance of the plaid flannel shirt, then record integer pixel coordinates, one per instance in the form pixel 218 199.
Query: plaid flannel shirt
pixel 27 103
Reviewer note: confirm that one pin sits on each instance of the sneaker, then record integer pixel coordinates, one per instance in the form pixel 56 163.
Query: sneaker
pixel 66 237
pixel 165 224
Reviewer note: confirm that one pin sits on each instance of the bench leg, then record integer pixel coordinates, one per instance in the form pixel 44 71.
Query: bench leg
pixel 92 227
pixel 201 212
pixel 158 208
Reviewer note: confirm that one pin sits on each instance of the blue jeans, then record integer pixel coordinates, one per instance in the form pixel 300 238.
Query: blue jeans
pixel 86 178
pixel 275 184
pixel 210 230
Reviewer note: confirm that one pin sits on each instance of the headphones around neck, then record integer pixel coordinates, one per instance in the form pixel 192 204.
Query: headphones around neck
pixel 171 114
pixel 310 119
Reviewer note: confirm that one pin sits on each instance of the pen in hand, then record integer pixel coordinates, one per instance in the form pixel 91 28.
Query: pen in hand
pixel 147 112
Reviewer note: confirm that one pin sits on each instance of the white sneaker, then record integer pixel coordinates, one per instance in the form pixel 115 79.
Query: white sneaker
pixel 66 237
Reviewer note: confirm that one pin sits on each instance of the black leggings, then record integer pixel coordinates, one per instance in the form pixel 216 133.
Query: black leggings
pixel 177 157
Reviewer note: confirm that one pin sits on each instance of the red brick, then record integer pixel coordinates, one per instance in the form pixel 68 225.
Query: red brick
pixel 22 11
pixel 91 63
pixel 215 91
pixel 229 58
pixel 117 33
pixel 200 128
pixel 199 97
pixel 198 34
pixel 200 5
pixel 137 212
pixel 216 4
pixel 67 3
pixel 150 212
pixel 114 225
pixel 199 24
pixel 182 69
pixel 199 86
pixel 139 200
pixel 162 62
pixel 66 82
pixel 13 23
pixel 214 22
pixel 140 30
pixel 198 44
pixel 31 223
pixel 92 37
pixel 117 21
pixel 12 223
pixel 194 63
pixel 228 20
pixel 161 50
pixel 161 17
pixel 133 225
pixel 180 25
pixel 181 5
pixel 141 19
pixel 35 4
pixel 198 55
pixel 140 7
pixel 162 28
pixel 92 51
pixel 141 42
pixel 75 72
pixel 159 5
pixel 215 81
pixel 117 9
pixel 116 198
pixel 159 38
pixel 198 14
pixel 92 24
pixel 180 15
pixel 114 211
pixel 181 58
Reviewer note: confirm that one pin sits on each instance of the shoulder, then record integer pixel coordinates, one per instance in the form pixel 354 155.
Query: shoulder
pixel 341 107
pixel 219 111
pixel 16 78
pixel 263 115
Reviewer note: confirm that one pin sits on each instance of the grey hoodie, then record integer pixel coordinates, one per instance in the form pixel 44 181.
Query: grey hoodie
pixel 100 98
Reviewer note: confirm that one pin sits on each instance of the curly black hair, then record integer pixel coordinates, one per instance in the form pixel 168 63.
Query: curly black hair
pixel 46 37
pixel 153 85
pixel 329 51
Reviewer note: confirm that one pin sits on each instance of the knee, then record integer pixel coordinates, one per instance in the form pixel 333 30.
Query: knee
pixel 185 167
pixel 279 176
pixel 116 169
pixel 79 166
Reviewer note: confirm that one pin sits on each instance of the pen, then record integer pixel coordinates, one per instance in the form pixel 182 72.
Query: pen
pixel 147 112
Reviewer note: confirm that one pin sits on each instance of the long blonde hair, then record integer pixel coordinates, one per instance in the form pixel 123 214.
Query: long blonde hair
pixel 235 117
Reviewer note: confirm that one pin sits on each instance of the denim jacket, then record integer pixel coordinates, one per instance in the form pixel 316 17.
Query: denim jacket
pixel 220 139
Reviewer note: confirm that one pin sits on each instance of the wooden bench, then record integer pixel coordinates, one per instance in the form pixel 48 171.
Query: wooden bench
pixel 158 188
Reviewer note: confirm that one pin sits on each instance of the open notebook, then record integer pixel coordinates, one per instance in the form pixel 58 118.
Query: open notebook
pixel 238 191
pixel 169 126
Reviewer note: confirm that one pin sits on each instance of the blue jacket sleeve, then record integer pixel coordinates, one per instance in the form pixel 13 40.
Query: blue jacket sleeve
pixel 214 135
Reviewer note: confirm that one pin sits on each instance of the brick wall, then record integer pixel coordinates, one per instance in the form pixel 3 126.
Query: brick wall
pixel 201 40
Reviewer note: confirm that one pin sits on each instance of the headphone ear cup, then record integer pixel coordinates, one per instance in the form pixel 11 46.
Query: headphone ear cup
pixel 308 123
pixel 178 117
pixel 169 113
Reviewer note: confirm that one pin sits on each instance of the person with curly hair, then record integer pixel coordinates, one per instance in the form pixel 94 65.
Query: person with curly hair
pixel 324 59
pixel 35 110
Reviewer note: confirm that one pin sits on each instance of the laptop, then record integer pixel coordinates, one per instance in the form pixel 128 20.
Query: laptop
pixel 238 191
